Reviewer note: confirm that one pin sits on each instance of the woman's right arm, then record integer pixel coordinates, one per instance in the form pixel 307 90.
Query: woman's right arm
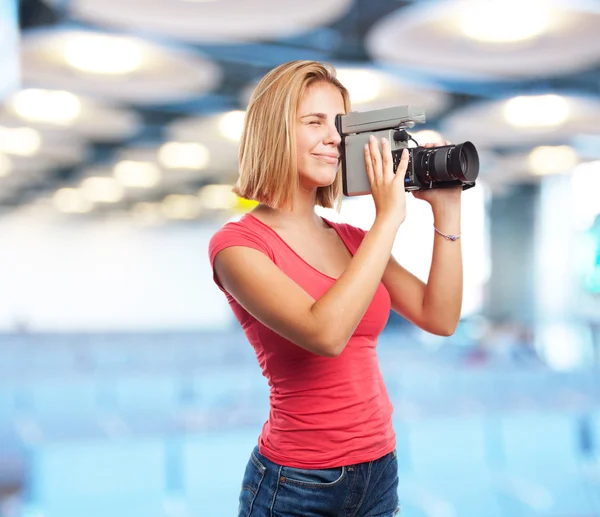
pixel 322 326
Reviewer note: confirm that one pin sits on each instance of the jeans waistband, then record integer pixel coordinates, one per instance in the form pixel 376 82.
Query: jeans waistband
pixel 266 462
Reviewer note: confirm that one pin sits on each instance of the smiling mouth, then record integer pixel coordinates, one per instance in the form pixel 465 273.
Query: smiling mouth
pixel 327 158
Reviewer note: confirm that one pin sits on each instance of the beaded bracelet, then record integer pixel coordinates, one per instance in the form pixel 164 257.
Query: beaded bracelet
pixel 449 237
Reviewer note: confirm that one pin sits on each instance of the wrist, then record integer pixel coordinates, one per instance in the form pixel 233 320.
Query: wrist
pixel 391 224
pixel 446 210
pixel 446 220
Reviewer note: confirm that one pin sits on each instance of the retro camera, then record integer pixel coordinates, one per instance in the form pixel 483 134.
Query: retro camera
pixel 431 167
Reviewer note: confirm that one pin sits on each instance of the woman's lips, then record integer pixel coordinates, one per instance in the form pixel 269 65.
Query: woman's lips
pixel 328 158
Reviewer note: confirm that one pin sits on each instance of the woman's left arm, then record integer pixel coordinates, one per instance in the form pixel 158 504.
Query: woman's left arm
pixel 436 306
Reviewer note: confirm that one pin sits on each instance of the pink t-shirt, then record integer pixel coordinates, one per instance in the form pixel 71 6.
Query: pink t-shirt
pixel 325 411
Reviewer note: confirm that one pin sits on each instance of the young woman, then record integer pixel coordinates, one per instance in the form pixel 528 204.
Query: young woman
pixel 312 297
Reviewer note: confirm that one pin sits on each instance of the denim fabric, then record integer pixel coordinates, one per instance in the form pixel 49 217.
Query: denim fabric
pixel 364 490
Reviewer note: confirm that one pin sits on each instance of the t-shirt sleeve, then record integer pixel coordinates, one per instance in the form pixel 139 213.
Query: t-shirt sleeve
pixel 353 234
pixel 233 234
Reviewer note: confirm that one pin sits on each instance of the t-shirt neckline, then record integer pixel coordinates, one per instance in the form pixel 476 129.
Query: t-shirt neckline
pixel 282 240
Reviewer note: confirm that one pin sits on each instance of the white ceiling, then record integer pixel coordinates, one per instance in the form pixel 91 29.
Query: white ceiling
pixel 199 60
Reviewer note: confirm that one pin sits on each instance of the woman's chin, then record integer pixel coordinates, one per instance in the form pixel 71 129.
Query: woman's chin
pixel 320 180
pixel 321 184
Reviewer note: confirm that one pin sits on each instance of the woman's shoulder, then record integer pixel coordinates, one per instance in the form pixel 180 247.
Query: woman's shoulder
pixel 242 232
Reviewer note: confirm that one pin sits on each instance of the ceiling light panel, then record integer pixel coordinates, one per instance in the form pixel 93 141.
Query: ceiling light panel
pixel 472 40
pixel 46 109
pixel 152 73
pixel 215 21
pixel 524 120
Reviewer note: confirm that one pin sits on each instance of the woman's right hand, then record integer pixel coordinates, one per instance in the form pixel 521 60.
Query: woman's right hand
pixel 387 188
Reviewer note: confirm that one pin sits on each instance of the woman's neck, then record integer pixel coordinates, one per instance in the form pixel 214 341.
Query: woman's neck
pixel 300 215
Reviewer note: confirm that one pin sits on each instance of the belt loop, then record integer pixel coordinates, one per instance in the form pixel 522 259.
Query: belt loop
pixel 275 491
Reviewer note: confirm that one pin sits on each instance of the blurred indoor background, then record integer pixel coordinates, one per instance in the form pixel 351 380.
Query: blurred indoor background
pixel 126 386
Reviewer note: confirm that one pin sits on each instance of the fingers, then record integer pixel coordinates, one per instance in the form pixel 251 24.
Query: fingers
pixel 402 167
pixel 403 164
pixel 437 144
pixel 375 158
pixel 369 164
pixel 386 159
pixel 378 161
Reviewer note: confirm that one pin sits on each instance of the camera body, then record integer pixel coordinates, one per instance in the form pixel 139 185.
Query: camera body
pixel 435 167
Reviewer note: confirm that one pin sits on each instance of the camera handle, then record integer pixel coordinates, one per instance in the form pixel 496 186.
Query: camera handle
pixel 401 135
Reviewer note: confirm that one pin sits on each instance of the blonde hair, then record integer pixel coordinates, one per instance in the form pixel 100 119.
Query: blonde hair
pixel 267 156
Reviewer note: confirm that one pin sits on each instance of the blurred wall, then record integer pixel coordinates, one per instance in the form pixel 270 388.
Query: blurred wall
pixel 107 276
pixel 64 275
pixel 511 289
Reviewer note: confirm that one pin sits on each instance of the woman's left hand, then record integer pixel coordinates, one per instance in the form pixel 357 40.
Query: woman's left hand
pixel 439 195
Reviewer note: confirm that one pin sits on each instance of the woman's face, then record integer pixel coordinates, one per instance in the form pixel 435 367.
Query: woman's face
pixel 317 139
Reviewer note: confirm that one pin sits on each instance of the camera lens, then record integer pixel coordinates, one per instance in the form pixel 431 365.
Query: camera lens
pixel 463 161
pixel 447 163
pixel 467 168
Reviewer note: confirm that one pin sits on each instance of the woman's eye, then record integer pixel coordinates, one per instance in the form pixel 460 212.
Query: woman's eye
pixel 317 122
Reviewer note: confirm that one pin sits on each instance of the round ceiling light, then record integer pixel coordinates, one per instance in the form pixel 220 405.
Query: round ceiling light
pixel 75 61
pixel 214 21
pixel 475 40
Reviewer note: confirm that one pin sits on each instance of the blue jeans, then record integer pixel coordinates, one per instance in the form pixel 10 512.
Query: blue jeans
pixel 364 490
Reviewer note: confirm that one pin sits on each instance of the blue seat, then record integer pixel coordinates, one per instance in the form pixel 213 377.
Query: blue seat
pixel 213 466
pixel 449 445
pixel 7 402
pixel 148 393
pixel 593 464
pixel 61 407
pixel 110 358
pixel 594 420
pixel 231 388
pixel 450 461
pixel 97 478
pixel 57 358
pixel 541 464
pixel 68 397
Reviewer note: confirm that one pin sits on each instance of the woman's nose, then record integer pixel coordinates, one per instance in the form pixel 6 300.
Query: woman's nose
pixel 334 136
